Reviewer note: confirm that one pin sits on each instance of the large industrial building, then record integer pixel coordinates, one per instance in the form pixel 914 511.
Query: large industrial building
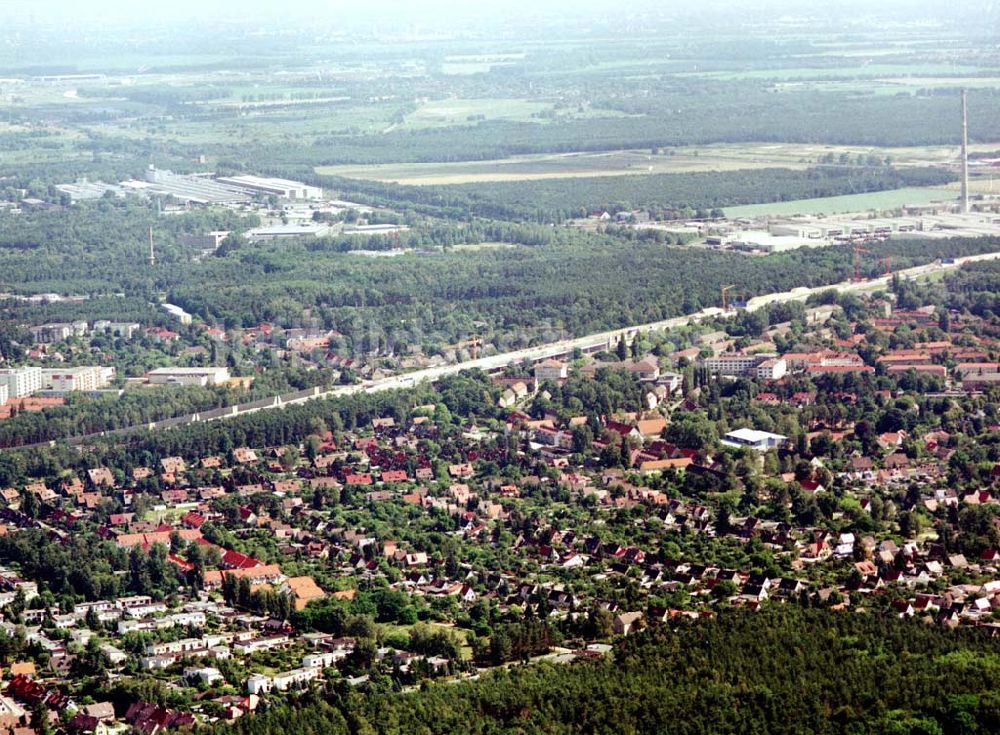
pixel 189 376
pixel 189 188
pixel 279 232
pixel 282 188
pixel 83 190
pixel 202 188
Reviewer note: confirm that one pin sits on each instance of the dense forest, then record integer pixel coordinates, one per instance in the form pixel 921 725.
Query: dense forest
pixel 781 670
pixel 540 287
pixel 714 113
pixel 521 293
pixel 469 393
pixel 83 414
pixel 665 196
pixel 976 289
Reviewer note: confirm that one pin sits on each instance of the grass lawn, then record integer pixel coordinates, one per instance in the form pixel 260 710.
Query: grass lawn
pixel 464 649
pixel 891 199
pixel 721 157
pixel 449 112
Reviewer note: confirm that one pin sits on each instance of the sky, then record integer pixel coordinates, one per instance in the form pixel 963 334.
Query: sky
pixel 115 11
pixel 445 14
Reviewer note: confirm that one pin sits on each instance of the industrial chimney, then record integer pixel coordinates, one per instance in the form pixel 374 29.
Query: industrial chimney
pixel 152 253
pixel 963 204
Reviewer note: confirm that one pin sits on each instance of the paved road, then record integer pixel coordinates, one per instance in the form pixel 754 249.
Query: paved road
pixel 604 340
pixel 591 343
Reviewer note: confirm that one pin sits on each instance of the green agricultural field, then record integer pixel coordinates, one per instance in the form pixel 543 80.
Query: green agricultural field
pixel 266 124
pixel 879 200
pixel 721 157
pixel 867 71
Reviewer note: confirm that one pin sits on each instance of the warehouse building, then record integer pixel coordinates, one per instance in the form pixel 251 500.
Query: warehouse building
pixel 758 440
pixel 283 188
pixel 188 376
pixel 189 188
pixel 280 232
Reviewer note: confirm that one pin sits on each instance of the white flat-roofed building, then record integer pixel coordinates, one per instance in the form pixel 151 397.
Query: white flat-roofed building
pixel 196 619
pixel 177 313
pixel 734 365
pixel 259 684
pixel 115 655
pixel 116 329
pixel 89 378
pixel 277 232
pixel 551 369
pixel 21 381
pixel 4 394
pixel 187 645
pixel 759 440
pixel 287 679
pixel 256 645
pixel 283 188
pixel 131 625
pixel 774 368
pixel 188 376
pixel 325 659
pixel 58 331
pixel 144 611
pixel 671 381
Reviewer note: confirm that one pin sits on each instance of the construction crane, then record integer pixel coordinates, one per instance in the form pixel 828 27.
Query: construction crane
pixel 725 291
pixel 858 249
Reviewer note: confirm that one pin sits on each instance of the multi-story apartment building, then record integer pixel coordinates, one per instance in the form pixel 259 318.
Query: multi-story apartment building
pixel 21 381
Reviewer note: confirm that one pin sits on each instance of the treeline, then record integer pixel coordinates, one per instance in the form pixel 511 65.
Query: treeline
pixel 83 414
pixel 664 196
pixel 580 284
pixel 781 670
pixel 975 287
pixel 668 196
pixel 469 393
pixel 705 113
pixel 101 247
pixel 86 567
pixel 440 235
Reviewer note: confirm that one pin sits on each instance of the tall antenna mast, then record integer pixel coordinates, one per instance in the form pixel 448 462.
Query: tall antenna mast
pixel 152 253
pixel 963 204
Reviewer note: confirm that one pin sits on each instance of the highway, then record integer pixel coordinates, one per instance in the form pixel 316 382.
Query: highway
pixel 590 343
pixel 605 340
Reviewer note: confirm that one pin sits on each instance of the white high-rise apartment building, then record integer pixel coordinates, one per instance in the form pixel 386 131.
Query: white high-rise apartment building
pixel 21 381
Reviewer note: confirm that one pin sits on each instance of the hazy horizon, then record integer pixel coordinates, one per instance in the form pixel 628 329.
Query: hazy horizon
pixel 431 14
